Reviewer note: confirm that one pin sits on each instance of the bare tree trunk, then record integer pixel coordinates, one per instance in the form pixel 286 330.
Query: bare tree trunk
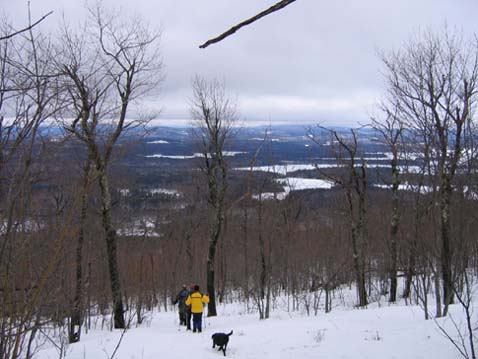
pixel 328 299
pixel 394 233
pixel 223 268
pixel 446 255
pixel 111 244
pixel 77 315
pixel 245 236
pixel 359 271
pixel 189 255
pixel 263 266
pixel 216 227
pixel 357 243
pixel 436 279
pixel 215 231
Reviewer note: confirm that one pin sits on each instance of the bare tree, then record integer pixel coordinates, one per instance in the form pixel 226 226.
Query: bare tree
pixel 103 73
pixel 27 94
pixel 434 84
pixel 392 131
pixel 262 294
pixel 214 114
pixel 354 184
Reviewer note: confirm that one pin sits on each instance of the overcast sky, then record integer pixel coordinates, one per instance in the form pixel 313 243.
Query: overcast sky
pixel 314 61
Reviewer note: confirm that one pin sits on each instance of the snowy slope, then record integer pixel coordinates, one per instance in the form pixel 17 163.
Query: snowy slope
pixel 396 331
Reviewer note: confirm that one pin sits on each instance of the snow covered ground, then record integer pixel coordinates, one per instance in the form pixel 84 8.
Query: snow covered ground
pixel 379 332
pixel 294 184
pixel 194 155
pixel 291 168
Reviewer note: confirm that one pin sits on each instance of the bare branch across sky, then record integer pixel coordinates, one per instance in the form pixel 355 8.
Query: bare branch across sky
pixel 278 6
pixel 8 36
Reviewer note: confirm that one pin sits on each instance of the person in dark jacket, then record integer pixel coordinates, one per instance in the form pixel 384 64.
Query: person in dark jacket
pixel 197 300
pixel 183 309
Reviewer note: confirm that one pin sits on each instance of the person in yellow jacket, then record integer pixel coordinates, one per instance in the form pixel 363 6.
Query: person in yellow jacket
pixel 196 301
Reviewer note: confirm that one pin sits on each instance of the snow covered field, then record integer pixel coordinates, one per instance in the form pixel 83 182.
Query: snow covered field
pixel 379 332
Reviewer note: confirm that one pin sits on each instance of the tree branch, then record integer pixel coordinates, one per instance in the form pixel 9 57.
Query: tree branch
pixel 6 37
pixel 232 30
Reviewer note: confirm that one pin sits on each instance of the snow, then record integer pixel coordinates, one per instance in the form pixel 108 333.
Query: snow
pixel 298 184
pixel 281 169
pixel 261 139
pixel 158 142
pixel 378 332
pixel 412 156
pixel 280 196
pixel 175 157
pixel 125 192
pixel 406 186
pixel 294 184
pixel 289 168
pixel 168 192
pixel 233 153
pixel 139 228
pixel 194 155
pixel 471 193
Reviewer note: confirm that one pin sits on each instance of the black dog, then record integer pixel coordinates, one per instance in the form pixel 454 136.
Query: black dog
pixel 221 340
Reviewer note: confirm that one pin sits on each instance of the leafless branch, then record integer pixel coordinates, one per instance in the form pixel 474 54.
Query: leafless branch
pixel 458 343
pixel 278 6
pixel 28 28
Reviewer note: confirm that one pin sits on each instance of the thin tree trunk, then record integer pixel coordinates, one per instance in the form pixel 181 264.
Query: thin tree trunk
pixel 439 312
pixel 215 233
pixel 111 244
pixel 189 255
pixel 245 236
pixel 356 255
pixel 211 309
pixel 446 255
pixel 77 315
pixel 394 233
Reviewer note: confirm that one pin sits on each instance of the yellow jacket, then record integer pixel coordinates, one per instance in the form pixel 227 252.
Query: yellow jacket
pixel 196 300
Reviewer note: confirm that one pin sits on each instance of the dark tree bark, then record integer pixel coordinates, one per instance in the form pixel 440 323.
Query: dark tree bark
pixel 111 246
pixel 394 222
pixel 77 315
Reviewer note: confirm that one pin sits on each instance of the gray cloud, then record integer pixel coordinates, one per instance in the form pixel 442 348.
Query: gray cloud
pixel 316 60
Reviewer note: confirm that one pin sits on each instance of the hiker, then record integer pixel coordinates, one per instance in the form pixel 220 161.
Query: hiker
pixel 196 300
pixel 183 309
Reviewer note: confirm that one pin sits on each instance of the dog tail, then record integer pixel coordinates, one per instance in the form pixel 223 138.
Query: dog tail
pixel 230 333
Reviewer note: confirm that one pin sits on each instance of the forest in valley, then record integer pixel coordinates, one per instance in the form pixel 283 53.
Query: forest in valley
pixel 99 220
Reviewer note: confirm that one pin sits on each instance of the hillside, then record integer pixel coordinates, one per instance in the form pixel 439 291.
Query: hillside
pixel 378 332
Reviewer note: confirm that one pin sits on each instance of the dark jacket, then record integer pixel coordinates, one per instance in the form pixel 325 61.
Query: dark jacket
pixel 181 298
